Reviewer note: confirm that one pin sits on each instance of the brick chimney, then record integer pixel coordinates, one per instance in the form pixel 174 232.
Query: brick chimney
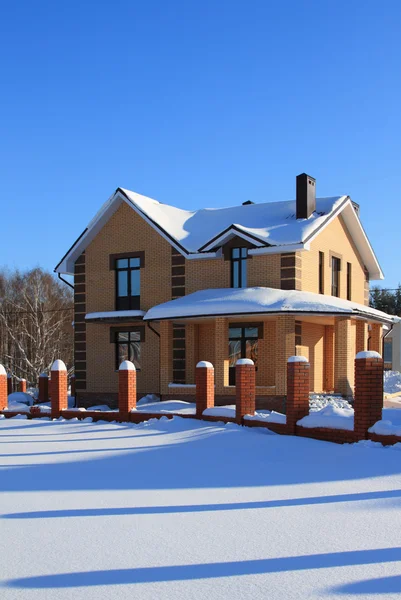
pixel 306 196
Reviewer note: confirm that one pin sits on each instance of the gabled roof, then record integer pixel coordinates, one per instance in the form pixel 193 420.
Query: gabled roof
pixel 270 226
pixel 262 301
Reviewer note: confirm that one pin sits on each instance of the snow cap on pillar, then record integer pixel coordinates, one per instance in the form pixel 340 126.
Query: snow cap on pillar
pixel 2 370
pixel 204 364
pixel 294 359
pixel 127 365
pixel 368 354
pixel 58 365
pixel 244 361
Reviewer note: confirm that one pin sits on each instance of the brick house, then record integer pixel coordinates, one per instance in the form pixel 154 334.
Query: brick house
pixel 165 287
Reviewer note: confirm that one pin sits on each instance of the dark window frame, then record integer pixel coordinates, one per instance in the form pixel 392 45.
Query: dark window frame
pixel 321 272
pixel 115 331
pixel 130 301
pixel 239 260
pixel 243 338
pixel 349 281
pixel 335 276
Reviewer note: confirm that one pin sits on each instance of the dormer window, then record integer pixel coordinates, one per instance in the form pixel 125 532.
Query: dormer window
pixel 239 257
pixel 128 280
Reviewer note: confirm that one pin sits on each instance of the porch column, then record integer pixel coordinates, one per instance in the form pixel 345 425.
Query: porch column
pixel 220 354
pixel 166 356
pixel 376 338
pixel 285 347
pixel 361 342
pixel 344 357
pixel 328 358
pixel 190 334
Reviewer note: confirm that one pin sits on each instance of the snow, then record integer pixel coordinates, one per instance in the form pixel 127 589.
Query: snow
pixel 58 365
pixel 295 359
pixel 100 407
pixel 167 407
pixel 19 399
pixel 221 411
pixel 331 417
pixel 204 364
pixel 368 354
pixel 148 399
pixel 392 382
pixel 127 365
pixel 244 361
pixel 272 223
pixel 2 370
pixel 113 314
pixel 267 416
pixel 263 300
pixel 178 509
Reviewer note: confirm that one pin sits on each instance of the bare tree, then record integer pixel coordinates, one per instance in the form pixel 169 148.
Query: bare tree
pixel 35 323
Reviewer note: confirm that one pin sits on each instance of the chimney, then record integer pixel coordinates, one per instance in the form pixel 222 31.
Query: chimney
pixel 306 196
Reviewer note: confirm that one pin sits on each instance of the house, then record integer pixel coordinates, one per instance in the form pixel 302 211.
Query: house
pixel 166 287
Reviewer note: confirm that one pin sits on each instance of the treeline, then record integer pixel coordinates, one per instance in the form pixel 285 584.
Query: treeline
pixel 388 301
pixel 36 314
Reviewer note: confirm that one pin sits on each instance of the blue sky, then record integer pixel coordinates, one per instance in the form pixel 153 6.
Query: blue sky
pixel 195 103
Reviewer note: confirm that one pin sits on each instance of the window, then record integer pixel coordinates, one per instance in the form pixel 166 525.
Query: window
pixel 388 350
pixel 349 280
pixel 335 276
pixel 242 343
pixel 128 347
pixel 238 267
pixel 321 273
pixel 128 283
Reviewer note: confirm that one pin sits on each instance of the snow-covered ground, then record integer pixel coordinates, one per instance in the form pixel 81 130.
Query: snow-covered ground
pixel 392 382
pixel 183 509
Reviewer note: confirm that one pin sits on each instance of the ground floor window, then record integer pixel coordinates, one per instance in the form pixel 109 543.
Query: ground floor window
pixel 242 343
pixel 128 347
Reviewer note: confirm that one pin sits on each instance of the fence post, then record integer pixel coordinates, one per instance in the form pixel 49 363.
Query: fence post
pixel 22 385
pixel 3 388
pixel 9 384
pixel 126 388
pixel 245 388
pixel 58 389
pixel 72 384
pixel 368 397
pixel 298 369
pixel 43 388
pixel 204 379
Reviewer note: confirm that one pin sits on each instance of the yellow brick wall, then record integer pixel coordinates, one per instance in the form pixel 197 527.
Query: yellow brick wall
pixel 334 238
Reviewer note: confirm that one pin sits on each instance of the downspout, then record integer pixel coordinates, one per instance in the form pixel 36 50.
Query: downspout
pixel 383 337
pixel 158 335
pixel 65 281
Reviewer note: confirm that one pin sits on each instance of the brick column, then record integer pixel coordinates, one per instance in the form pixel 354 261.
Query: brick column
pixel 22 385
pixel 9 384
pixel 368 401
pixel 285 347
pixel 343 363
pixel 245 388
pixel 126 388
pixel 328 360
pixel 72 385
pixel 298 370
pixel 3 388
pixel 221 354
pixel 204 378
pixel 361 342
pixel 58 388
pixel 375 344
pixel 43 388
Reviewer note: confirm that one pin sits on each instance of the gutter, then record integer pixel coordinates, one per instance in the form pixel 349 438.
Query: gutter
pixel 65 281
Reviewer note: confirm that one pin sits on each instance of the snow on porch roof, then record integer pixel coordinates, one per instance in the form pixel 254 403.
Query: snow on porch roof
pixel 261 300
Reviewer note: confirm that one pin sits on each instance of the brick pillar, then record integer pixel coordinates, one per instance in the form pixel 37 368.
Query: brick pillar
pixel 58 388
pixel 285 347
pixel 328 360
pixel 221 354
pixel 204 377
pixel 3 388
pixel 22 385
pixel 126 388
pixel 43 388
pixel 343 363
pixel 375 344
pixel 245 388
pixel 72 385
pixel 9 384
pixel 368 401
pixel 298 371
pixel 361 342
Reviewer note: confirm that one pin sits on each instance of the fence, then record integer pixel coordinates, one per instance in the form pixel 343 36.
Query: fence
pixel 368 398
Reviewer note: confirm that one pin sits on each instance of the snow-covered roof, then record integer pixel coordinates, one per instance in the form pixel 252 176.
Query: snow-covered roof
pixel 270 226
pixel 261 300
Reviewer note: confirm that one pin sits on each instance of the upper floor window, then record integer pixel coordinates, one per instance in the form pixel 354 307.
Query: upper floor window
pixel 349 280
pixel 128 283
pixel 335 276
pixel 238 267
pixel 321 273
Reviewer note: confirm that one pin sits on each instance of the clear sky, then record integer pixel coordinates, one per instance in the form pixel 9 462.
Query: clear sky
pixel 195 103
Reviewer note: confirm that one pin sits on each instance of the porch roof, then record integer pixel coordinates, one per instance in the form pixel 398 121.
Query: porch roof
pixel 261 300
